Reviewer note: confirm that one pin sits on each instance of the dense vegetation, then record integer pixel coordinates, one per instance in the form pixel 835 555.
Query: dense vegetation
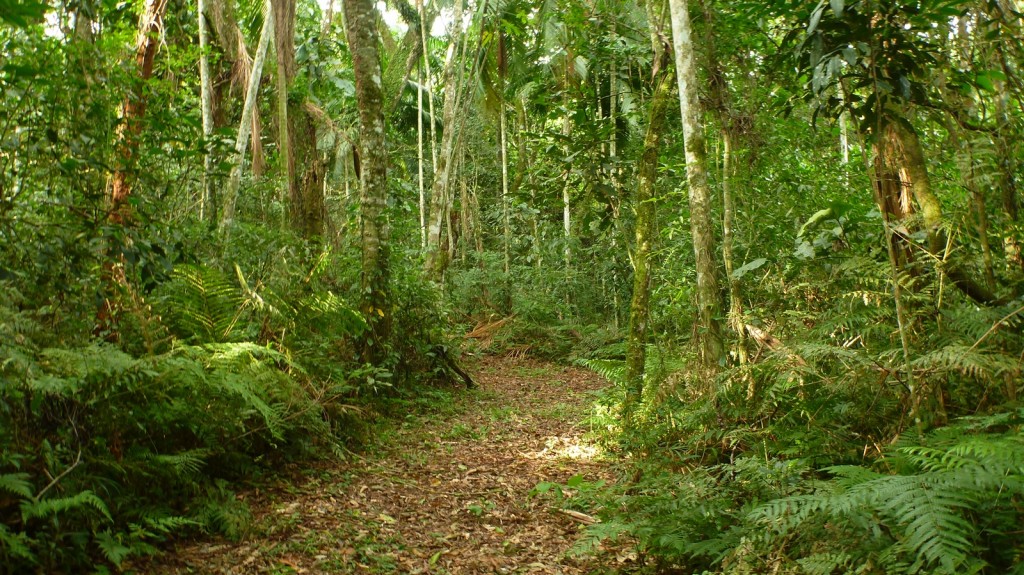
pixel 235 234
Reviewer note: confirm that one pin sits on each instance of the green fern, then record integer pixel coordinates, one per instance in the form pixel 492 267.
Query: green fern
pixel 16 545
pixel 16 484
pixel 31 509
pixel 930 509
pixel 204 303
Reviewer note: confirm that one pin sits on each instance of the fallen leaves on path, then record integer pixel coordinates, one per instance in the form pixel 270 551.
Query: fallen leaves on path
pixel 444 496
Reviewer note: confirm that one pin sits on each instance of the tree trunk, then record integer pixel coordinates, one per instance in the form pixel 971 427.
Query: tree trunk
pixel 245 126
pixel 284 21
pixel 429 85
pixel 728 217
pixel 151 24
pixel 702 229
pixel 419 159
pixel 440 197
pixel 904 144
pixel 646 234
pixel 206 105
pixel 506 239
pixel 361 29
pixel 297 134
pixel 566 203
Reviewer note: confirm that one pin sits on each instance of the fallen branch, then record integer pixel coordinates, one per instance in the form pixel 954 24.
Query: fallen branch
pixel 581 517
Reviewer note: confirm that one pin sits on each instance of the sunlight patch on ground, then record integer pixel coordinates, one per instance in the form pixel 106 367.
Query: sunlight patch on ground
pixel 565 447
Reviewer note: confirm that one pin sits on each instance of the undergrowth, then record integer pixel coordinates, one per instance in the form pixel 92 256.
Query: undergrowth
pixel 807 459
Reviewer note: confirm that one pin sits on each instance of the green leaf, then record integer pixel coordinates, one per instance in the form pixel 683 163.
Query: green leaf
pixel 816 18
pixel 837 7
pixel 747 268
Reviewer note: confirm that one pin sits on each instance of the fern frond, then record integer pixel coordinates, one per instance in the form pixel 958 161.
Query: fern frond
pixel 17 484
pixel 15 545
pixel 185 463
pixel 613 370
pixel 969 361
pixel 57 505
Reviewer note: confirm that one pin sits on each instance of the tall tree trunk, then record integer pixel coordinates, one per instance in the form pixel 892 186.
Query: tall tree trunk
pixel 566 200
pixel 646 234
pixel 424 37
pixel 701 226
pixel 506 223
pixel 133 111
pixel 245 126
pixel 206 105
pixel 151 23
pixel 440 196
pixel 419 159
pixel 361 29
pixel 730 126
pixel 297 134
pixel 728 217
pixel 284 21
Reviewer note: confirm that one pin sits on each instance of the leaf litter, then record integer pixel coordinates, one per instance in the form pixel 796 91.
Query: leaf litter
pixel 450 494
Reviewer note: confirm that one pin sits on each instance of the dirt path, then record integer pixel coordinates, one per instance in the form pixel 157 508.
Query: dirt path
pixel 447 494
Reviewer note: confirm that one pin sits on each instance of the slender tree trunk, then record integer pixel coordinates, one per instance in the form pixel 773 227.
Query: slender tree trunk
pixel 206 105
pixel 245 126
pixel 133 111
pixel 440 197
pixel 284 20
pixel 424 38
pixel 419 159
pixel 566 201
pixel 728 217
pixel 702 229
pixel 361 29
pixel 646 234
pixel 151 24
pixel 506 223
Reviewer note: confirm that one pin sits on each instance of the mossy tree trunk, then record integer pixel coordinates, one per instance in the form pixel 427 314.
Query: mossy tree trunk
pixel 646 234
pixel 361 28
pixel 709 331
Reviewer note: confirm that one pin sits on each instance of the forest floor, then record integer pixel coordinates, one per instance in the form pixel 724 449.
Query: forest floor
pixel 449 490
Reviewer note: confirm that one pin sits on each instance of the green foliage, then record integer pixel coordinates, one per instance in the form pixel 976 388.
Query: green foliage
pixel 129 442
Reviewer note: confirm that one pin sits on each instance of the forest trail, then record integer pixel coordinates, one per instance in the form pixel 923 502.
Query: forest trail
pixel 443 493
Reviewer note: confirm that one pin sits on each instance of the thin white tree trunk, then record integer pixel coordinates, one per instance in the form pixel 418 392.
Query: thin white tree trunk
pixel 505 218
pixel 245 126
pixel 566 206
pixel 429 85
pixel 701 228
pixel 419 156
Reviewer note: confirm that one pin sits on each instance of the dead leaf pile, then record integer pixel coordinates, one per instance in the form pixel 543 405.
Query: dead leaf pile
pixel 450 495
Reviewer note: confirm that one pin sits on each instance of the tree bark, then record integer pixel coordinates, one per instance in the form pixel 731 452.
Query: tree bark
pixel 440 196
pixel 646 234
pixel 245 126
pixel 360 26
pixel 206 106
pixel 151 23
pixel 701 226
pixel 297 133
